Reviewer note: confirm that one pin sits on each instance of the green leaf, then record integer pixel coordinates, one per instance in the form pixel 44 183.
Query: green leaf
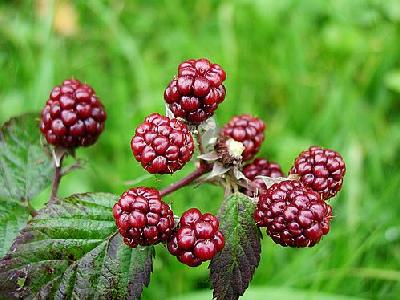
pixel 71 250
pixel 232 269
pixel 25 167
pixel 13 217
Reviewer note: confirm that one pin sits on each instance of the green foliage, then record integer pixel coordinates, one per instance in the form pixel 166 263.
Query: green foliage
pixel 232 269
pixel 25 167
pixel 13 217
pixel 71 250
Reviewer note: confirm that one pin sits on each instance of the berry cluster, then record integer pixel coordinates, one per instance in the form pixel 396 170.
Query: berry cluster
pixel 293 209
pixel 260 167
pixel 195 93
pixel 294 215
pixel 162 145
pixel 142 217
pixel 320 169
pixel 73 116
pixel 197 238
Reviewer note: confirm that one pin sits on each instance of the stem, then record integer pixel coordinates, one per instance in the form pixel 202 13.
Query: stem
pixel 33 212
pixel 56 180
pixel 202 169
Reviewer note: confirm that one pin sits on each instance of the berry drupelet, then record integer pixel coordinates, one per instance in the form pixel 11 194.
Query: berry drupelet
pixel 294 215
pixel 73 115
pixel 261 167
pixel 247 130
pixel 162 145
pixel 321 169
pixel 197 91
pixel 197 239
pixel 142 217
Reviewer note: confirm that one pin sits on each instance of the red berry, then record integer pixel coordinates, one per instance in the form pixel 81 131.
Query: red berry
pixel 261 167
pixel 73 115
pixel 197 91
pixel 142 217
pixel 295 215
pixel 197 239
pixel 320 169
pixel 162 145
pixel 247 130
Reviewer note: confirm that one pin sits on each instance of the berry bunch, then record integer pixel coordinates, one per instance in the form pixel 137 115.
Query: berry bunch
pixel 142 217
pixel 73 115
pixel 197 239
pixel 294 215
pixel 293 209
pixel 162 145
pixel 195 93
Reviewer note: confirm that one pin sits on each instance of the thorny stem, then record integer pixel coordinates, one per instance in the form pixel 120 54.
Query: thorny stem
pixel 202 169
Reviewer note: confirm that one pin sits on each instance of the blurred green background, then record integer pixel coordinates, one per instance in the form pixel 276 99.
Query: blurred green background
pixel 318 72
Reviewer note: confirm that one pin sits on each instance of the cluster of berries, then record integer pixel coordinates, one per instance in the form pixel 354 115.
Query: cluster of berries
pixel 143 218
pixel 293 210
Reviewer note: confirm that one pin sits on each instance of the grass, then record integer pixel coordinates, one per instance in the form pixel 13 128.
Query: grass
pixel 318 72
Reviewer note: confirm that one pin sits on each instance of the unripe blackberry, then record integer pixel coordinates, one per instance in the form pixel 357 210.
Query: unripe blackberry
pixel 73 115
pixel 247 130
pixel 321 169
pixel 295 215
pixel 142 217
pixel 261 167
pixel 197 91
pixel 162 145
pixel 197 239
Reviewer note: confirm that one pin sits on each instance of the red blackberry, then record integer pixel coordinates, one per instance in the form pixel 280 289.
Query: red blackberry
pixel 294 215
pixel 197 239
pixel 320 169
pixel 162 145
pixel 142 217
pixel 197 91
pixel 261 167
pixel 73 115
pixel 247 130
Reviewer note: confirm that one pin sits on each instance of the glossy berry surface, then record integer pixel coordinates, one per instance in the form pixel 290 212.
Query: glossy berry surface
pixel 321 169
pixel 261 167
pixel 162 145
pixel 73 115
pixel 197 239
pixel 195 93
pixel 247 130
pixel 294 215
pixel 142 217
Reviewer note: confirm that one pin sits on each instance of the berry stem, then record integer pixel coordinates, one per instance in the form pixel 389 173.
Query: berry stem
pixel 202 169
pixel 56 180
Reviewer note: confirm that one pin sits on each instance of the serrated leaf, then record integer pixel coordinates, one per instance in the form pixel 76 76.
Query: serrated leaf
pixel 25 167
pixel 232 269
pixel 13 217
pixel 71 250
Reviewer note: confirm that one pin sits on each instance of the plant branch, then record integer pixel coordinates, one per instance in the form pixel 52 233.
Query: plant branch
pixel 202 169
pixel 57 177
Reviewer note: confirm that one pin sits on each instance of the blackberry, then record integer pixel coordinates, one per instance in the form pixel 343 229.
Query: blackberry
pixel 247 130
pixel 162 145
pixel 73 115
pixel 197 91
pixel 295 215
pixel 261 167
pixel 321 169
pixel 142 217
pixel 197 239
